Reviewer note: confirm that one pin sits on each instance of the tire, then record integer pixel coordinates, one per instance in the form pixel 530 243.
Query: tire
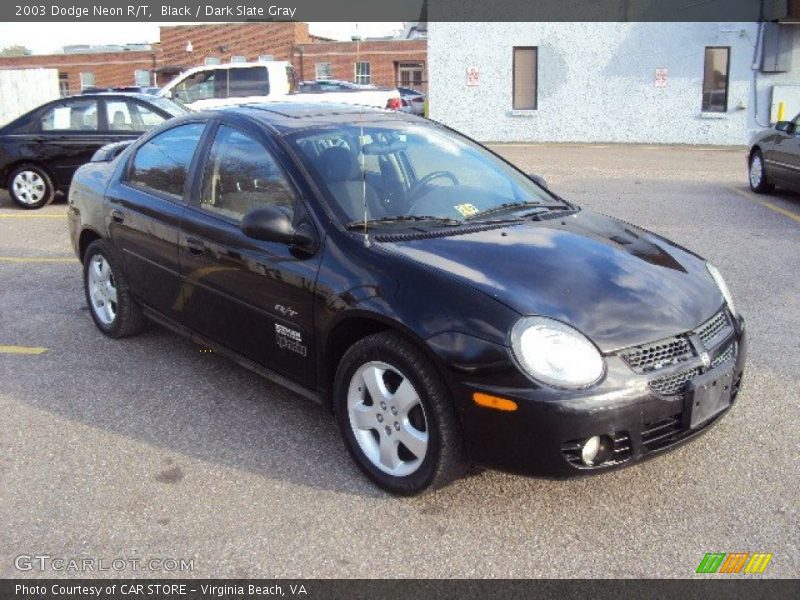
pixel 421 414
pixel 757 174
pixel 108 295
pixel 30 187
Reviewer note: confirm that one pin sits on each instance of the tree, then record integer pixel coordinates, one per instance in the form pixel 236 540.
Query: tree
pixel 16 50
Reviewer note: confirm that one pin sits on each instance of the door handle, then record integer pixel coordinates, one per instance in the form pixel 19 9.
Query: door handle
pixel 195 246
pixel 117 216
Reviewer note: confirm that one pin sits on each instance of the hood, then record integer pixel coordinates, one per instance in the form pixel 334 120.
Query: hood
pixel 617 284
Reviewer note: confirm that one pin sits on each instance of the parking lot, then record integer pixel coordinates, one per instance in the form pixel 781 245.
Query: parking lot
pixel 150 447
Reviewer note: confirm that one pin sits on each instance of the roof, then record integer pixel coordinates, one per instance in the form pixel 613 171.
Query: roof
pixel 287 116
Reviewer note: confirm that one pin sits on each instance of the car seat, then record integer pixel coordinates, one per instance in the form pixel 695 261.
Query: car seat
pixel 340 170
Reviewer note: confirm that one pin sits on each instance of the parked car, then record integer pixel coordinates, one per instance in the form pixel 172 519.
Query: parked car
pixel 774 158
pixel 214 86
pixel 412 101
pixel 323 86
pixel 446 307
pixel 129 89
pixel 40 151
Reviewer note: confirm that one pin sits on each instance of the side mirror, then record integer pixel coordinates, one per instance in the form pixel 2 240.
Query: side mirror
pixel 785 126
pixel 271 224
pixel 536 178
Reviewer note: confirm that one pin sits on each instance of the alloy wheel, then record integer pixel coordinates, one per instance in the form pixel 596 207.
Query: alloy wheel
pixel 102 290
pixel 387 418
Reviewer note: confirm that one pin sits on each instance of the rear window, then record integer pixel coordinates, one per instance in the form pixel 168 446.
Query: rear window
pixel 77 115
pixel 253 81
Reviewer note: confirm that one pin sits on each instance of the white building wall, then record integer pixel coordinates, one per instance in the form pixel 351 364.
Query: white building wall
pixel 596 81
pixel 24 89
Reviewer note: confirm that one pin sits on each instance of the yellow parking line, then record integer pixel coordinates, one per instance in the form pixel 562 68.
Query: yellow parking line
pixel 22 350
pixel 30 216
pixel 37 259
pixel 774 207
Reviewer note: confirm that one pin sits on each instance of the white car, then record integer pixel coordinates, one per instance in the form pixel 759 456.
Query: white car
pixel 212 86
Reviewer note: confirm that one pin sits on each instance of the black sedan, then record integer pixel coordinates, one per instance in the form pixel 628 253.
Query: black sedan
pixel 774 158
pixel 40 151
pixel 448 309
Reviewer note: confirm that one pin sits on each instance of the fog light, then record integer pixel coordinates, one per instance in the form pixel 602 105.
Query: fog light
pixel 590 450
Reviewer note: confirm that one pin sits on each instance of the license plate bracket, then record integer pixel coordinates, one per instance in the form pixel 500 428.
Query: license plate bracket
pixel 708 395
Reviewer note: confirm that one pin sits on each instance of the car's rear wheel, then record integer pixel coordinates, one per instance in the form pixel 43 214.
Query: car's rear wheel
pixel 758 174
pixel 396 416
pixel 30 187
pixel 113 309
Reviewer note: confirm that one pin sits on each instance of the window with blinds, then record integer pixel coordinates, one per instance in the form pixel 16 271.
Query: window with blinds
pixel 526 67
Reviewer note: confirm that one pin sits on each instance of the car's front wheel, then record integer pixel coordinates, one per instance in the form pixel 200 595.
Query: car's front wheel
pixel 108 295
pixel 30 187
pixel 758 174
pixel 396 416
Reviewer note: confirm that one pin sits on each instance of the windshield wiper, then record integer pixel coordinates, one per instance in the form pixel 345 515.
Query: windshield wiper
pixel 504 207
pixel 355 225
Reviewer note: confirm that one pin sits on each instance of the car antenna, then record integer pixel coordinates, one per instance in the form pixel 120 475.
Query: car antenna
pixel 361 151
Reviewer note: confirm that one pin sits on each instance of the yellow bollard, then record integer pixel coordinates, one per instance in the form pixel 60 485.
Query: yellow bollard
pixel 781 111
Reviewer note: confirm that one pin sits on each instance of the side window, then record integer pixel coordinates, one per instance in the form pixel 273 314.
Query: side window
pixel 162 164
pixel 77 115
pixel 144 117
pixel 200 86
pixel 119 115
pixel 251 81
pixel 240 175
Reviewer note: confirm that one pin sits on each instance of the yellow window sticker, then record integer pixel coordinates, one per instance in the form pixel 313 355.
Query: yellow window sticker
pixel 467 209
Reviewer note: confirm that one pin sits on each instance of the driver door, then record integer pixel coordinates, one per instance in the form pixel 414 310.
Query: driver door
pixel 253 297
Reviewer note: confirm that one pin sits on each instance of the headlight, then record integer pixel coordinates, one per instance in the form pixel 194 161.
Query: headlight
pixel 717 277
pixel 554 353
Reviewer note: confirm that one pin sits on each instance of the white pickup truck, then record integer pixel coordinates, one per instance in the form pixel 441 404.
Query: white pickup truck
pixel 212 86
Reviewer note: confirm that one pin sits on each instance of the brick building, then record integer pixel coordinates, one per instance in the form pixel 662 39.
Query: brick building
pixel 382 62
pixel 184 46
pixel 77 71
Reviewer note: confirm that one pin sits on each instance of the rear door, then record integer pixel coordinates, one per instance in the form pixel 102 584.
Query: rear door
pixel 146 205
pixel 252 296
pixel 129 118
pixel 67 135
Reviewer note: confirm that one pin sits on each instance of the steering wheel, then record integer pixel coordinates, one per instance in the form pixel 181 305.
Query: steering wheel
pixel 417 188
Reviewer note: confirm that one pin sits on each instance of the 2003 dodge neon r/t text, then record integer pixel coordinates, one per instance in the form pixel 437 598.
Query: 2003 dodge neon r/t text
pixel 449 309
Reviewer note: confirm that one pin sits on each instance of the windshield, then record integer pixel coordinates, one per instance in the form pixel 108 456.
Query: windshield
pixel 404 173
pixel 170 107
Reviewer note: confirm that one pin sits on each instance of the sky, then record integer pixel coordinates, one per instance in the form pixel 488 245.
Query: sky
pixel 50 37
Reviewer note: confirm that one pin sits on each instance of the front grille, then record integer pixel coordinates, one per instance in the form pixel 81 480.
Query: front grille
pixel 659 434
pixel 664 353
pixel 622 451
pixel 673 385
pixel 725 356
pixel 714 330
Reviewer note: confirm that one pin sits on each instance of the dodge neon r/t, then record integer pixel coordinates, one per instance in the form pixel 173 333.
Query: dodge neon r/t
pixel 446 307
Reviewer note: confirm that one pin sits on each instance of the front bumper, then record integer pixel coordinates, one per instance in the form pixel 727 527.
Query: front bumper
pixel 543 436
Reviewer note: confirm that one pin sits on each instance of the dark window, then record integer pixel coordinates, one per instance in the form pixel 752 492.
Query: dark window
pixel 526 67
pixel 253 81
pixel 526 75
pixel 715 79
pixel 241 175
pixel 163 162
pixel 72 115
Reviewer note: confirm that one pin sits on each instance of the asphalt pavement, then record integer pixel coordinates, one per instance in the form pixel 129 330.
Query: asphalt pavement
pixel 150 448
